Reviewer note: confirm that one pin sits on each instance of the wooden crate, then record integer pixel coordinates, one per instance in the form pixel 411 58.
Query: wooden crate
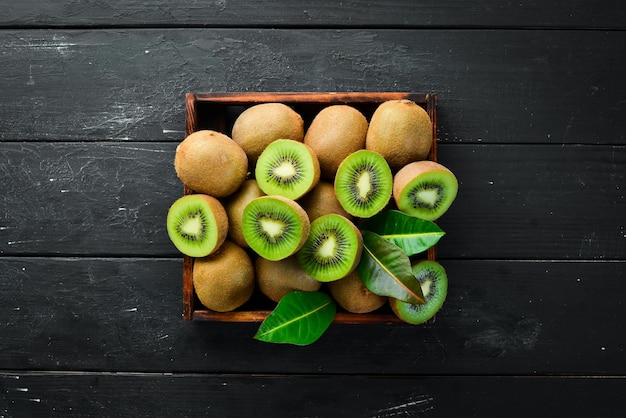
pixel 218 111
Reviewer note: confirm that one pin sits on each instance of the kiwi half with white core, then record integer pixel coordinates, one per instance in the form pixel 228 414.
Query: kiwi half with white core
pixel 363 183
pixel 425 189
pixel 434 283
pixel 197 224
pixel 274 227
pixel 332 249
pixel 287 168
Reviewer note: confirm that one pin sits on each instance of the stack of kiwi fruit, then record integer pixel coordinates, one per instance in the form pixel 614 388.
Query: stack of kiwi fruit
pixel 276 206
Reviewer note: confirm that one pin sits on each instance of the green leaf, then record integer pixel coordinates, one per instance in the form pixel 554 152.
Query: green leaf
pixel 385 269
pixel 300 318
pixel 413 235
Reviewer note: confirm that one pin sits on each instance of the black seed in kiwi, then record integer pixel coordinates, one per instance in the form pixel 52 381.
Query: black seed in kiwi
pixel 275 227
pixel 434 282
pixel 363 183
pixel 332 249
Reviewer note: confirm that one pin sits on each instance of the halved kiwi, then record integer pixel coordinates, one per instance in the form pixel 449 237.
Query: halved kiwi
pixel 425 189
pixel 363 183
pixel 275 227
pixel 434 283
pixel 287 168
pixel 332 249
pixel 197 224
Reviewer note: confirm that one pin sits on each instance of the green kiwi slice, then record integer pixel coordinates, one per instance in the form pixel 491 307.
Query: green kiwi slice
pixel 287 168
pixel 363 183
pixel 434 283
pixel 332 250
pixel 425 189
pixel 197 224
pixel 274 227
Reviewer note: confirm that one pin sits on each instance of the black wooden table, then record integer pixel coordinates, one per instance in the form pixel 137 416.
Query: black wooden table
pixel 531 117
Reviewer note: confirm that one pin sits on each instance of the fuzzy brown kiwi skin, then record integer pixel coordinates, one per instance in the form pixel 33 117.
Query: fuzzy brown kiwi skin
pixel 401 131
pixel 322 200
pixel 336 132
pixel 224 280
pixel 259 125
pixel 352 295
pixel 234 206
pixel 210 162
pixel 412 170
pixel 277 278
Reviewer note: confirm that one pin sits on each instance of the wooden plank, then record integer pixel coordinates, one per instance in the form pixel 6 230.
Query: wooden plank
pixel 94 394
pixel 513 86
pixel 237 13
pixel 515 201
pixel 500 317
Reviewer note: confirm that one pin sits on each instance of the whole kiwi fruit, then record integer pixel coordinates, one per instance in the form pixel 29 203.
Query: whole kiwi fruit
pixel 277 278
pixel 211 163
pixel 234 206
pixel 401 131
pixel 352 295
pixel 259 125
pixel 336 132
pixel 224 281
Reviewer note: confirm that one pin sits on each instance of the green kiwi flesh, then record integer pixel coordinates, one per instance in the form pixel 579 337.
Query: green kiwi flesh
pixel 332 249
pixel 274 227
pixel 287 168
pixel 434 283
pixel 363 183
pixel 197 224
pixel 425 189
